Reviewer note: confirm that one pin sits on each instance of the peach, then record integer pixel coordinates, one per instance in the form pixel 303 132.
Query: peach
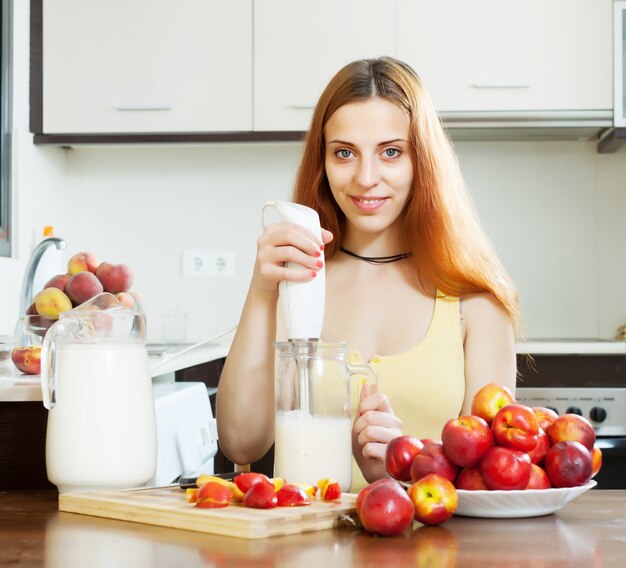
pixel 545 416
pixel 310 490
pixel 386 509
pixel 470 479
pixel 213 495
pixel 399 456
pixel 82 287
pixel 292 496
pixel 261 495
pixel 59 281
pixel 50 302
pixel 572 427
pixel 538 453
pixel 330 490
pixel 115 278
pixel 489 400
pixel 596 460
pixel 569 464
pixel 277 482
pixel 538 478
pixel 435 499
pixel 27 359
pixel 433 459
pixel 127 300
pixel 82 261
pixel 246 480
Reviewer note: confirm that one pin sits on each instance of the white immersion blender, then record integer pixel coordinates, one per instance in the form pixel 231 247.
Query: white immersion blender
pixel 302 303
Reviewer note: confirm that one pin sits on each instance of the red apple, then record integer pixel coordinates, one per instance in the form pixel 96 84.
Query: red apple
pixel 538 478
pixel 515 426
pixel 386 509
pixel 489 400
pixel 596 460
pixel 115 278
pixel 399 456
pixel 292 496
pixel 261 496
pixel 538 453
pixel 433 459
pixel 545 416
pixel 434 498
pixel 505 468
pixel 470 479
pixel 572 427
pixel 466 439
pixel 568 464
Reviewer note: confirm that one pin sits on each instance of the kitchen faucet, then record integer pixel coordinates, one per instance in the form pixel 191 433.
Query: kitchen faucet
pixel 29 275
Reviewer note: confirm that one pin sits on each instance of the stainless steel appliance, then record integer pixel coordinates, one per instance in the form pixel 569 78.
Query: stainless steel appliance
pixel 584 377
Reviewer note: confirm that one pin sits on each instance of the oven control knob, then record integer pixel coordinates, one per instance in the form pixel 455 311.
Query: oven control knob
pixel 574 410
pixel 552 408
pixel 597 414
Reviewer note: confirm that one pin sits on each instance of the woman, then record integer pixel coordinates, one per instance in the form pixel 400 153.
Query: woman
pixel 412 283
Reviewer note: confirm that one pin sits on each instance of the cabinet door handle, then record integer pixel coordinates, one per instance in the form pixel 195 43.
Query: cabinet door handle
pixel 125 108
pixel 303 106
pixel 500 85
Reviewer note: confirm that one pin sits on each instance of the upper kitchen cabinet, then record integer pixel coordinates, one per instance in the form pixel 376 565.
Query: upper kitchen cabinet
pixel 507 55
pixel 146 66
pixel 299 46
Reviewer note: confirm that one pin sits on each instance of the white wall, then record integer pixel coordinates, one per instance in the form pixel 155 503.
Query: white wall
pixel 554 210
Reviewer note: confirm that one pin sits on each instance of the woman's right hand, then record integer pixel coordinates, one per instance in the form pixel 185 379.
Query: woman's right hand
pixel 286 242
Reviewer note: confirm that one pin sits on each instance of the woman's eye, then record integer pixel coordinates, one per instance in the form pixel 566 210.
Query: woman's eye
pixel 343 153
pixel 391 152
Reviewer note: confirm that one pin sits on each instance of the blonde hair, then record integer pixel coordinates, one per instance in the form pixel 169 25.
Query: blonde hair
pixel 447 242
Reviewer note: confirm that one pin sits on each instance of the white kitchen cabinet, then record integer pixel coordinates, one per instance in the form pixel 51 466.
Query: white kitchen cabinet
pixel 146 66
pixel 507 55
pixel 300 45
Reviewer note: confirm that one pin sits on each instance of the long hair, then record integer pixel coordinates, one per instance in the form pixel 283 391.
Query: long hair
pixel 447 243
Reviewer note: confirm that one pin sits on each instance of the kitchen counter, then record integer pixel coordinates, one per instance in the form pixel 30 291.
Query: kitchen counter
pixel 17 387
pixel 590 532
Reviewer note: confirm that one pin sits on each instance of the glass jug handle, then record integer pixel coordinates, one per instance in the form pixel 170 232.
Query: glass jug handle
pixel 369 378
pixel 48 359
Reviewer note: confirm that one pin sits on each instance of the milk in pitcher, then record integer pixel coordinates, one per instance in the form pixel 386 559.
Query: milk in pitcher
pixel 101 430
pixel 309 448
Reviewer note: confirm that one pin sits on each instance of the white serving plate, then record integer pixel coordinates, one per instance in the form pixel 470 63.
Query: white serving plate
pixel 516 504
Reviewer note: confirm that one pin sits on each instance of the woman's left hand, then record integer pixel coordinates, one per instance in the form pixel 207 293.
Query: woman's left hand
pixel 374 428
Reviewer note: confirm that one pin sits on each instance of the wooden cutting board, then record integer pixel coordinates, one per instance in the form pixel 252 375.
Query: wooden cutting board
pixel 167 507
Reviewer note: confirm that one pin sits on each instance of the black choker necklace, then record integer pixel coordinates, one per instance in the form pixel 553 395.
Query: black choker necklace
pixel 378 259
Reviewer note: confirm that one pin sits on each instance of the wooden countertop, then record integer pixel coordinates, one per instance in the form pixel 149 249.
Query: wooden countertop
pixel 589 533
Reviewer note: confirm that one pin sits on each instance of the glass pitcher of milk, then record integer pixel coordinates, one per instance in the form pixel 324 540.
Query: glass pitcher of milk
pixel 313 437
pixel 96 384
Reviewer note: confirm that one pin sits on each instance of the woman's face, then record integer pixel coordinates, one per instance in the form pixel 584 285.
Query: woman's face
pixel 367 162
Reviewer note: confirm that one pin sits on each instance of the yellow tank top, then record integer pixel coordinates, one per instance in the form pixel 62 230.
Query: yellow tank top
pixel 425 385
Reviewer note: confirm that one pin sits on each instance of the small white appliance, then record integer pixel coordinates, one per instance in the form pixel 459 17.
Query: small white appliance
pixel 186 431
pixel 301 303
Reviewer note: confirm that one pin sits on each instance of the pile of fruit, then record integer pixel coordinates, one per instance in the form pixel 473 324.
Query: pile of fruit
pixel 85 278
pixel 258 491
pixel 502 445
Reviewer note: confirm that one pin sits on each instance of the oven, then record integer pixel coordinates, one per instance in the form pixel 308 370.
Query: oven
pixel 586 378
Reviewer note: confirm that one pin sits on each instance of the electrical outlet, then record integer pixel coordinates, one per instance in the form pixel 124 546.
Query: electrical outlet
pixel 209 263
